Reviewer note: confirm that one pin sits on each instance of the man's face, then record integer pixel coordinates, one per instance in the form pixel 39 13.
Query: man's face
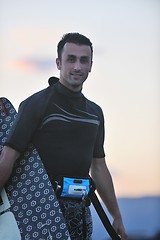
pixel 74 65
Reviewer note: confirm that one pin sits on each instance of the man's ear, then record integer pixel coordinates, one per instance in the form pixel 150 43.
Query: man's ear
pixel 91 66
pixel 58 62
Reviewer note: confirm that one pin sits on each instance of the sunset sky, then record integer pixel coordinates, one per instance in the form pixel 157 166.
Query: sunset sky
pixel 125 79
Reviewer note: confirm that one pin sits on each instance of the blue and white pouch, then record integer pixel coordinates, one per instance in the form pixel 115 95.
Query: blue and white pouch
pixel 77 188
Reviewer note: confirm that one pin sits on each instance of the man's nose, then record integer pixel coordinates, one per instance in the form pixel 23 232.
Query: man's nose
pixel 77 65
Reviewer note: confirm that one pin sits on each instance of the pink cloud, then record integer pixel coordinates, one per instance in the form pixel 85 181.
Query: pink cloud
pixel 33 64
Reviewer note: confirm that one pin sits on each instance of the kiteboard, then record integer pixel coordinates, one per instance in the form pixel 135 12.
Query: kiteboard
pixel 29 208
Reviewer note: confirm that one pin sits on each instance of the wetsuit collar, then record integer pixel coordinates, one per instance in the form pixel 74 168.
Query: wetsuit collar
pixel 66 91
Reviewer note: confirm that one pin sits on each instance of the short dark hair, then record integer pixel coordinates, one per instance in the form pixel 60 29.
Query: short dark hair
pixel 76 38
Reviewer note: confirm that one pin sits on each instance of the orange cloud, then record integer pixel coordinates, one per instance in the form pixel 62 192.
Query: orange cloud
pixel 32 64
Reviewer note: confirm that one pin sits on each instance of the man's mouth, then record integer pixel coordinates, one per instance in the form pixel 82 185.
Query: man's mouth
pixel 76 74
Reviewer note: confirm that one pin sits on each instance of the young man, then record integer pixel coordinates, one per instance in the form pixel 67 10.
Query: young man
pixel 68 131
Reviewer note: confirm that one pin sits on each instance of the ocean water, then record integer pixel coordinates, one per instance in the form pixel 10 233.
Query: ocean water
pixel 141 218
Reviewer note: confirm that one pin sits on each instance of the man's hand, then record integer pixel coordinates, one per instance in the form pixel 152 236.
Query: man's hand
pixel 119 228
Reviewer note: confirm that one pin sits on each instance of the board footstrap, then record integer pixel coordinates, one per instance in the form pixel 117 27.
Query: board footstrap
pixel 4 110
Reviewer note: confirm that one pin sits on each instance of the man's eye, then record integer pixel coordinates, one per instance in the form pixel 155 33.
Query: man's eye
pixel 84 60
pixel 71 59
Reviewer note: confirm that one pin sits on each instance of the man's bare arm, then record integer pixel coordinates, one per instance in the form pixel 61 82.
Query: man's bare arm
pixel 7 160
pixel 105 188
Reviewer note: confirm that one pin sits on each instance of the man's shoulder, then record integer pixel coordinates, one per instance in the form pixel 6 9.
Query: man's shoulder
pixel 37 97
pixel 43 94
pixel 94 106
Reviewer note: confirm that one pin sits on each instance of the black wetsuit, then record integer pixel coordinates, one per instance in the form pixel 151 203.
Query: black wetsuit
pixel 66 128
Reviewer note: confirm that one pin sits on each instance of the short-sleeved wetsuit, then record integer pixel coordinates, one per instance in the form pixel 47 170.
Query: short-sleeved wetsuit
pixel 68 131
